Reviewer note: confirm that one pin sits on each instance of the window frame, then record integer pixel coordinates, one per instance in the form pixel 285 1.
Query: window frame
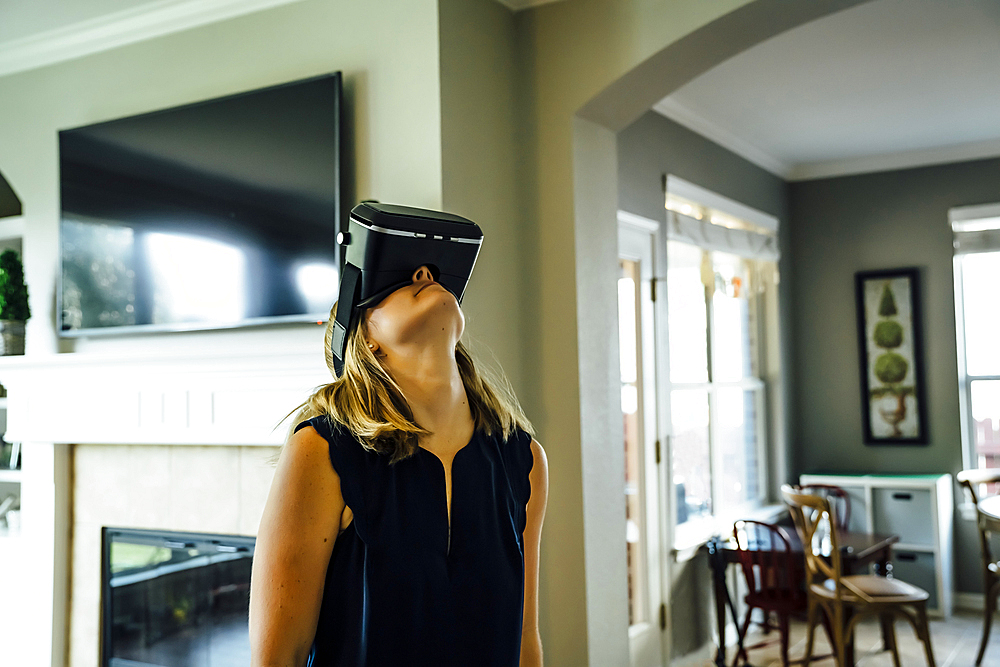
pixel 957 216
pixel 720 520
pixel 722 516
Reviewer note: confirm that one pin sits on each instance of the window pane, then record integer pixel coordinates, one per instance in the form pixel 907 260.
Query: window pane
pixel 731 352
pixel 692 467
pixel 687 315
pixel 986 420
pixel 738 428
pixel 982 312
pixel 635 519
pixel 626 324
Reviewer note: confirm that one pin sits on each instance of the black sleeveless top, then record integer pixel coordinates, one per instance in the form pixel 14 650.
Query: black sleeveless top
pixel 398 591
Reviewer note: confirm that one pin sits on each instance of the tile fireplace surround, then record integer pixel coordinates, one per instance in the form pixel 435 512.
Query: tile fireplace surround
pixel 179 442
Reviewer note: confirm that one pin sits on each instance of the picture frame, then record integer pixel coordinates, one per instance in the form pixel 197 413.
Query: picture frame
pixel 890 351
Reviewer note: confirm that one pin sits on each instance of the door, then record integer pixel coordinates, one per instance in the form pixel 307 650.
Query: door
pixel 644 453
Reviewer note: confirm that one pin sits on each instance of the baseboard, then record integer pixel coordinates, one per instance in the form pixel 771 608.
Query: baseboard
pixel 969 601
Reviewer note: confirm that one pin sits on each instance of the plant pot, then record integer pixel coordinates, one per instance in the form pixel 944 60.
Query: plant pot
pixel 11 337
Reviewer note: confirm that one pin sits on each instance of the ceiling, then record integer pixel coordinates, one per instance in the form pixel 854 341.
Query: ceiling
pixel 884 85
pixel 42 32
pixel 20 19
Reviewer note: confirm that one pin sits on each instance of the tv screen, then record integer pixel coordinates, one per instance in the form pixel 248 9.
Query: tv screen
pixel 217 214
pixel 173 599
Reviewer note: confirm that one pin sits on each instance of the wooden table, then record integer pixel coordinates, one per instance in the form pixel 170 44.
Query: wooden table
pixel 856 550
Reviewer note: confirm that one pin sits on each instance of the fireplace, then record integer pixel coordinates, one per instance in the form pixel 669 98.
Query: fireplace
pixel 177 441
pixel 174 598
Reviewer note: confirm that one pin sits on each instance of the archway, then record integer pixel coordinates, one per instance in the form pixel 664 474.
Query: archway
pixel 595 178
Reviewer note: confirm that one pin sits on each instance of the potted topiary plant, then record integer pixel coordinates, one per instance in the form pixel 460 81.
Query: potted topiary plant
pixel 14 310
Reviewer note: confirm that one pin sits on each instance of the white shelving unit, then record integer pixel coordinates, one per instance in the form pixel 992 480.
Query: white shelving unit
pixel 10 483
pixel 918 508
pixel 11 232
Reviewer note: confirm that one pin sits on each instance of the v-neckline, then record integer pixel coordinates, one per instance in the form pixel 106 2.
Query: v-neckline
pixel 449 481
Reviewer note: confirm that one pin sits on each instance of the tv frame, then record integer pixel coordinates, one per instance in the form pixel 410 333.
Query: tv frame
pixel 235 541
pixel 248 323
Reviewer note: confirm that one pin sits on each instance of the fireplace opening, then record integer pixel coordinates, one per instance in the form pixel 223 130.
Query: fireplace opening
pixel 174 599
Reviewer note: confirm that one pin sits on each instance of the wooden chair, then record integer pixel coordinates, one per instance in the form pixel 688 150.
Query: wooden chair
pixel 846 599
pixel 840 502
pixel 774 576
pixel 971 480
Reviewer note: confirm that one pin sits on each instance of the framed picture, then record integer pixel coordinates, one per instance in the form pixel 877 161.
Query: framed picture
pixel 891 355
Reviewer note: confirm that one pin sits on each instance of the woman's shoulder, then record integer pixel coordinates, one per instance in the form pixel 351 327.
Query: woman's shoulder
pixel 340 438
pixel 335 433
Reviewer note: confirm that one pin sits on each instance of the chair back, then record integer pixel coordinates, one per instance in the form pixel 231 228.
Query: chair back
pixel 971 479
pixel 774 574
pixel 814 522
pixel 840 502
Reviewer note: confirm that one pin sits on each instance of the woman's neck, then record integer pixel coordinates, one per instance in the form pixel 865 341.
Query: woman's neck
pixel 435 392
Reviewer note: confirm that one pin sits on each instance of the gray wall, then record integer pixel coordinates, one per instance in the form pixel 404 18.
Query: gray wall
pixel 878 221
pixel 653 146
pixel 647 149
pixel 832 228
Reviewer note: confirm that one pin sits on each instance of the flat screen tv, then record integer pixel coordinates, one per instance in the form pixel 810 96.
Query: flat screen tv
pixel 172 599
pixel 217 214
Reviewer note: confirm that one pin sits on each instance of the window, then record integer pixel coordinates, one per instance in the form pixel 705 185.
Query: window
pixel 721 261
pixel 977 261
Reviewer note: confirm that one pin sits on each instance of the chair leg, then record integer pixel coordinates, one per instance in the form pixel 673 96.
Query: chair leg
pixel 741 651
pixel 889 637
pixel 839 623
pixel 783 629
pixel 810 631
pixel 991 605
pixel 926 631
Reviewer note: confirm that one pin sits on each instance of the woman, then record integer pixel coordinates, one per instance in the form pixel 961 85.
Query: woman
pixel 362 558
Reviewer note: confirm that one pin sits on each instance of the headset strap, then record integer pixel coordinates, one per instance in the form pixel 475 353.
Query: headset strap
pixel 350 286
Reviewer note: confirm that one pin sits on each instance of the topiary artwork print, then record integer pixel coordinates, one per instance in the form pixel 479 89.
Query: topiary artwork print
pixel 891 368
pixel 893 410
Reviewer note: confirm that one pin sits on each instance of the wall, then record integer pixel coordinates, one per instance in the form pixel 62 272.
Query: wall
pixel 610 58
pixel 647 149
pixel 877 221
pixel 591 68
pixel 654 145
pixel 393 152
pixel 393 124
pixel 479 152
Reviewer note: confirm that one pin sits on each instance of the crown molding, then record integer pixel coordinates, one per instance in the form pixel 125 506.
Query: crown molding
pixel 128 26
pixel 977 150
pixel 681 115
pixel 806 171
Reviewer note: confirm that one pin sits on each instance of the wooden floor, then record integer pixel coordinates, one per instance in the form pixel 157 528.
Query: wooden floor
pixel 955 644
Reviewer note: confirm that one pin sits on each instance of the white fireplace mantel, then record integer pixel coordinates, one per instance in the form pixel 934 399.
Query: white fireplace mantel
pixel 234 398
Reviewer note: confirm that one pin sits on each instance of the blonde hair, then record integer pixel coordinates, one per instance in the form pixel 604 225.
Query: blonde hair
pixel 368 402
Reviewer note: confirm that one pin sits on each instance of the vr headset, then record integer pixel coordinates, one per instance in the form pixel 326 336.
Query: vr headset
pixel 385 245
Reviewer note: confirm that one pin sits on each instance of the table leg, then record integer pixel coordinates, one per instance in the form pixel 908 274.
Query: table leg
pixel 883 567
pixel 717 561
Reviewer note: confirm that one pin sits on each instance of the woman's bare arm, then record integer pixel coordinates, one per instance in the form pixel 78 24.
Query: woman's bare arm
pixel 531 640
pixel 297 532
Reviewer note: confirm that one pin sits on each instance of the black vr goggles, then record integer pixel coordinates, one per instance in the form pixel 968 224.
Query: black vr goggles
pixel 385 245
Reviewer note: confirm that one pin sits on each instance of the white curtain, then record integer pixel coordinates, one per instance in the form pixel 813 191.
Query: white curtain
pixel 751 245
